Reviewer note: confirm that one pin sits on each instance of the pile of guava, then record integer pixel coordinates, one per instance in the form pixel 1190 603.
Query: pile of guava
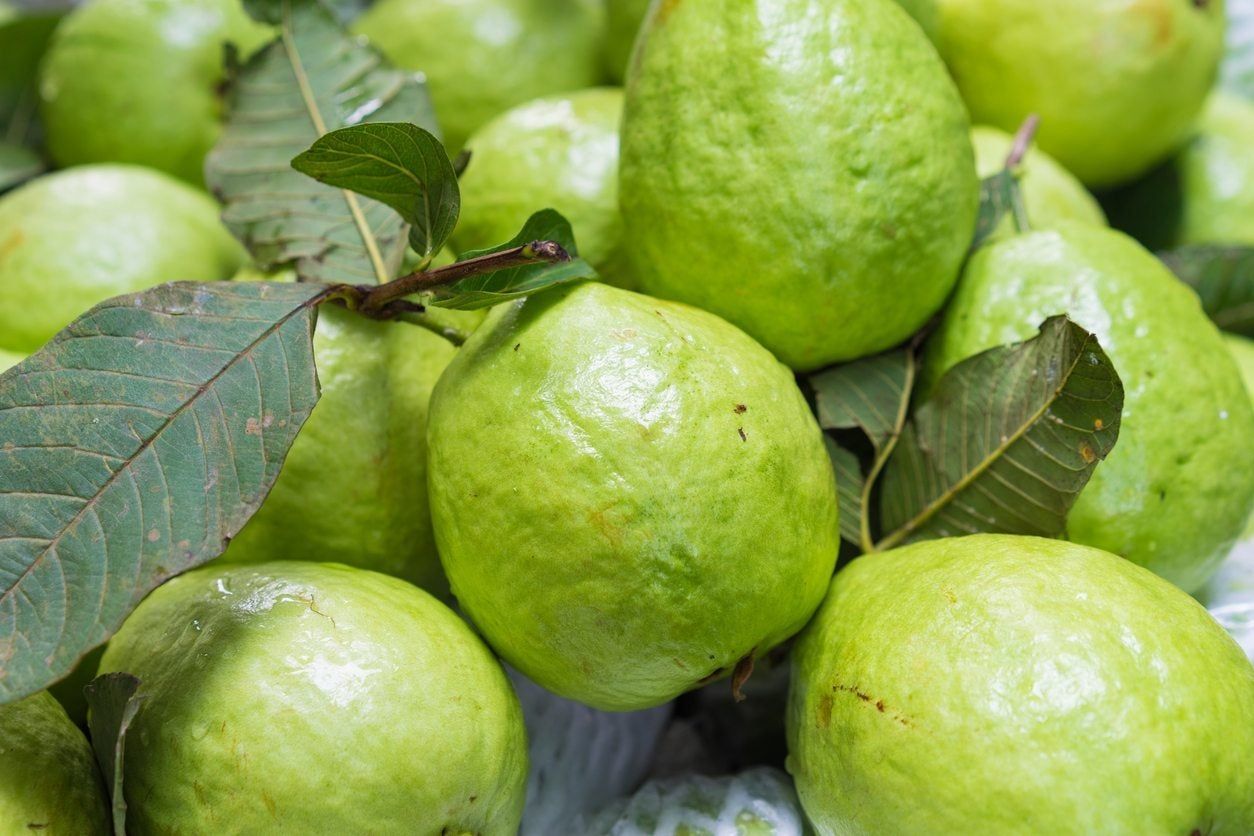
pixel 670 535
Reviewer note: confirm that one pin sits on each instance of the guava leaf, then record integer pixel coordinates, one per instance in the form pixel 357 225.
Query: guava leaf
pixel 133 447
pixel 114 700
pixel 394 163
pixel 23 40
pixel 871 395
pixel 271 11
pixel 1006 442
pixel 1237 69
pixel 1223 277
pixel 313 79
pixel 999 195
pixel 487 289
pixel 17 165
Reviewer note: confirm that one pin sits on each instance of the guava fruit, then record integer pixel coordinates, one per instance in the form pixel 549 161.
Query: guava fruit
pixel 800 167
pixel 49 783
pixel 353 488
pixel 1242 350
pixel 630 496
pixel 1003 684
pixel 140 81
pixel 314 698
pixel 1050 192
pixel 581 758
pixel 925 13
pixel 1179 485
pixel 757 802
pixel 1205 193
pixel 560 152
pixel 622 24
pixel 1117 85
pixel 74 238
pixel 482 57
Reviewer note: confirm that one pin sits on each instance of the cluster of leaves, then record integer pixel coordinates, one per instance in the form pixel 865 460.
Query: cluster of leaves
pixel 141 439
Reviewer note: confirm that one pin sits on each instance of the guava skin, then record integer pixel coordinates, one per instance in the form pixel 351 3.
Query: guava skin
pixel 1050 192
pixel 74 238
pixel 48 778
pixel 629 495
pixel 1242 351
pixel 1017 685
pixel 315 698
pixel 1205 193
pixel 827 218
pixel 353 486
pixel 482 57
pixel 1178 487
pixel 560 152
pixel 1118 85
pixel 138 81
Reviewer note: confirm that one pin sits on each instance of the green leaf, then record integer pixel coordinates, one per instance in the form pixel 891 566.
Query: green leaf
pixel 1223 277
pixel 114 700
pixel 313 79
pixel 487 289
pixel 394 163
pixel 133 447
pixel 23 39
pixel 17 165
pixel 1237 70
pixel 1006 442
pixel 871 395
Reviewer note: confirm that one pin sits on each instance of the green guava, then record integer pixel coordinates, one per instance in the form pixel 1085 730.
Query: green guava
pixel 925 13
pixel 1242 351
pixel 622 24
pixel 77 237
pixel 629 495
pixel 140 81
pixel 802 168
pixel 1017 685
pixel 1117 85
pixel 560 152
pixel 1179 485
pixel 353 488
pixel 482 57
pixel 1050 192
pixel 49 783
pixel 314 698
pixel 1205 193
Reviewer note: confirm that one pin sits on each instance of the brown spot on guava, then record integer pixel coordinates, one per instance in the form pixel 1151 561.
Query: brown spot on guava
pixel 741 430
pixel 744 670
pixel 740 409
pixel 825 711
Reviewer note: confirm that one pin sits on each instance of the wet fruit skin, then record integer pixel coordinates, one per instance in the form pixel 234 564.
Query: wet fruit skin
pixel 559 152
pixel 138 81
pixel 1178 487
pixel 76 237
pixel 49 783
pixel 314 698
pixel 629 495
pixel 800 167
pixel 1001 684
pixel 1117 84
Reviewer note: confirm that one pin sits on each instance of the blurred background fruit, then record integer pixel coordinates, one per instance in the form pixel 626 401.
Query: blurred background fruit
pixel 984 683
pixel 1117 85
pixel 80 236
pixel 316 698
pixel 482 57
pixel 827 219
pixel 559 152
pixel 141 81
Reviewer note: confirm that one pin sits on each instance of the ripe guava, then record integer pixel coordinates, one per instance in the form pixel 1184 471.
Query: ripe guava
pixel 1118 85
pixel 630 496
pixel 1050 192
pixel 74 238
pixel 1179 485
pixel 482 57
pixel 49 783
pixel 353 488
pixel 1205 193
pixel 559 152
pixel 802 168
pixel 314 698
pixel 1002 684
pixel 140 81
